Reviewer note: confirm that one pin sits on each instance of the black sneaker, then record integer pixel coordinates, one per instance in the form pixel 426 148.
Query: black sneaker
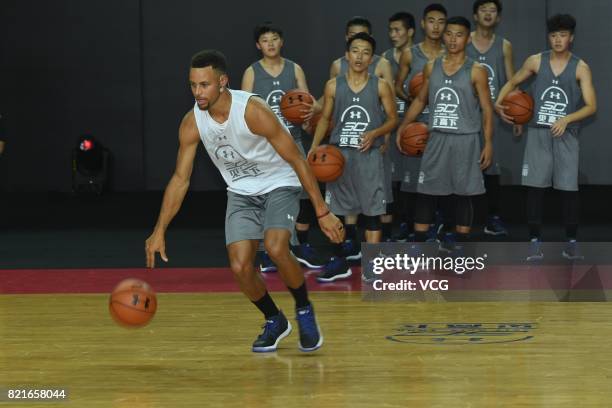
pixel 403 234
pixel 350 251
pixel 572 252
pixel 307 256
pixel 310 333
pixel 336 268
pixel 535 251
pixel 495 227
pixel 275 329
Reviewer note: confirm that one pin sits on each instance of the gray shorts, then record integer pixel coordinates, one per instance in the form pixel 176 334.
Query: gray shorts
pixel 450 165
pixel 494 169
pixel 248 217
pixel 411 167
pixel 360 189
pixel 551 161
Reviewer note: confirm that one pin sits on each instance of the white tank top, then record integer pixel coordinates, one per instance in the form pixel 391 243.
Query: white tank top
pixel 248 162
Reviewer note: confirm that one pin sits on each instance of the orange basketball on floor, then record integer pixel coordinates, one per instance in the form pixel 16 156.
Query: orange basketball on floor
pixel 414 138
pixel 292 104
pixel 415 85
pixel 133 303
pixel 519 105
pixel 311 127
pixel 327 163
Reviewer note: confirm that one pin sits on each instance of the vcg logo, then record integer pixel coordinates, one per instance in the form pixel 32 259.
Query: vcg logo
pixel 273 100
pixel 446 105
pixel 355 120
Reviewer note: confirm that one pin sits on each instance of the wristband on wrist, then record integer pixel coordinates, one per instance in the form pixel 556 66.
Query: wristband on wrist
pixel 323 215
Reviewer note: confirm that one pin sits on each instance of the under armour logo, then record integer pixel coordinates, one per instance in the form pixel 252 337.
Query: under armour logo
pixel 355 99
pixel 482 58
pixel 448 81
pixel 290 217
pixel 355 115
pixel 227 154
pixel 276 99
pixel 554 81
pixel 276 83
pixel 556 95
pixel 445 97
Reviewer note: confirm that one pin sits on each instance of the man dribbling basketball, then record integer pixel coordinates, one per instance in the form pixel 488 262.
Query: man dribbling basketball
pixel 563 81
pixel 263 169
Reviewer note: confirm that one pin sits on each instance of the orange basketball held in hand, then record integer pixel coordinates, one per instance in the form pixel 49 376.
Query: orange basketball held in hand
pixel 133 303
pixel 327 163
pixel 413 139
pixel 519 105
pixel 311 126
pixel 292 105
pixel 415 85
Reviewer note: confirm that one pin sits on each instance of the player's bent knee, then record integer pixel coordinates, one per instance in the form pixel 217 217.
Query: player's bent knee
pixel 242 270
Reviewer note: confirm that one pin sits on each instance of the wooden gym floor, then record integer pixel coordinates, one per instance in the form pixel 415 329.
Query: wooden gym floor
pixel 196 351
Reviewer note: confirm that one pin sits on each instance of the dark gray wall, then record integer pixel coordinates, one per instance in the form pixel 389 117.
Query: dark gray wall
pixel 69 67
pixel 119 69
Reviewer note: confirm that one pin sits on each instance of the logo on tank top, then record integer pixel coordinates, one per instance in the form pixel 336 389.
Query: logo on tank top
pixel 490 78
pixel 273 100
pixel 553 105
pixel 234 164
pixel 355 120
pixel 446 107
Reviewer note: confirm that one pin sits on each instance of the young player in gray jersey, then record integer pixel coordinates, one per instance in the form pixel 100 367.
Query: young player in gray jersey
pixel 460 107
pixel 564 95
pixel 261 165
pixel 495 54
pixel 381 68
pixel 364 111
pixel 401 31
pixel 271 77
pixel 412 62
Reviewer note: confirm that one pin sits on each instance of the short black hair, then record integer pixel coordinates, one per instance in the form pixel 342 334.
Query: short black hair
pixel 561 22
pixel 406 18
pixel 362 36
pixel 478 3
pixel 361 21
pixel 435 7
pixel 459 20
pixel 264 28
pixel 210 58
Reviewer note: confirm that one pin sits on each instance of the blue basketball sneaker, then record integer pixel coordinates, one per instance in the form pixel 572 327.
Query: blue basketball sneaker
pixel 535 250
pixel 572 252
pixel 336 268
pixel 350 251
pixel 495 226
pixel 403 234
pixel 266 264
pixel 307 256
pixel 275 329
pixel 310 334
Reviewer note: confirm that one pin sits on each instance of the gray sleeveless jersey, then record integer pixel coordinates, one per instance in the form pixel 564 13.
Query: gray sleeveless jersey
pixel 419 60
pixel 400 103
pixel 493 61
pixel 453 102
pixel 371 67
pixel 555 96
pixel 355 113
pixel 273 88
